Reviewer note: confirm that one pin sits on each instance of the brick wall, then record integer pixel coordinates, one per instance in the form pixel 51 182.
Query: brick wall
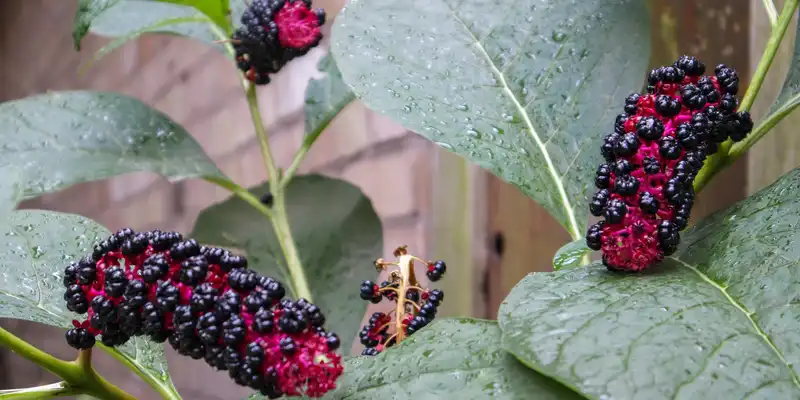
pixel 198 88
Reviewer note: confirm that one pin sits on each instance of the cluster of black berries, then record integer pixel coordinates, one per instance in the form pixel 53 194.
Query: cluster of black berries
pixel 656 150
pixel 416 310
pixel 208 305
pixel 436 270
pixel 274 32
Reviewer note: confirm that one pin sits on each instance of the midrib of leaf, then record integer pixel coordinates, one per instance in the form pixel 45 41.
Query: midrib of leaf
pixel 747 313
pixel 574 231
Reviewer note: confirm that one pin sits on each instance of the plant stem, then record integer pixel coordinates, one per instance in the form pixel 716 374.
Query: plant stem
pixel 299 157
pixel 725 156
pixel 261 132
pixel 94 384
pixel 78 375
pixel 242 193
pixel 280 220
pixel 53 390
pixel 769 54
pixel 278 217
pixel 772 13
pixel 29 352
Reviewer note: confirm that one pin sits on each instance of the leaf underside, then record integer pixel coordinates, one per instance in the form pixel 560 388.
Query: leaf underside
pixel 337 233
pixel 325 97
pixel 37 246
pixel 719 319
pixel 525 89
pixel 450 359
pixel 63 138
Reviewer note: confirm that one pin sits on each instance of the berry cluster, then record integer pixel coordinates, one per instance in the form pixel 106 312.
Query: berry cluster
pixel 656 150
pixel 208 305
pixel 274 32
pixel 416 306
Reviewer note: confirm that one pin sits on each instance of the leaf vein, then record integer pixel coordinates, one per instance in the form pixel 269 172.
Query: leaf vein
pixel 573 224
pixel 749 315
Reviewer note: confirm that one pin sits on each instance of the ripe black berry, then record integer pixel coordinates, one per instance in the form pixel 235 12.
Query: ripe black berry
pixel 80 338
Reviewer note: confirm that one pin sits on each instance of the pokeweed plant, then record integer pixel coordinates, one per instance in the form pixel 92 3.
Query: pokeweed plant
pixel 533 91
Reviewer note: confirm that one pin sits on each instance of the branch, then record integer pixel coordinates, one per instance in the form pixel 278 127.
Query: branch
pixel 79 376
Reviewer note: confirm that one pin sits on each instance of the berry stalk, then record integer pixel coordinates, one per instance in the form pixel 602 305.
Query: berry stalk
pixel 79 376
pixel 53 390
pixel 729 151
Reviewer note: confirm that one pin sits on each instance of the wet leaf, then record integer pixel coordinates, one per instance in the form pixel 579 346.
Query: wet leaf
pixel 571 255
pixel 325 97
pixel 131 18
pixel 718 320
pixel 451 359
pixel 35 247
pixel 525 89
pixel 10 189
pixel 63 138
pixel 338 236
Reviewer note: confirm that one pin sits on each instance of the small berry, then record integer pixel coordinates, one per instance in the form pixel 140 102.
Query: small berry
pixel 80 338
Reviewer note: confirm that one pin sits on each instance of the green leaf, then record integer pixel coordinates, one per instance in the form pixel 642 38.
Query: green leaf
pixel 571 255
pixel 338 236
pixel 718 320
pixel 216 10
pixel 451 359
pixel 63 138
pixel 129 19
pixel 525 89
pixel 325 97
pixel 36 247
pixel 10 189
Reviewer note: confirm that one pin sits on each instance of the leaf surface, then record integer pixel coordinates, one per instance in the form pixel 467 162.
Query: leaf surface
pixel 525 89
pixel 719 319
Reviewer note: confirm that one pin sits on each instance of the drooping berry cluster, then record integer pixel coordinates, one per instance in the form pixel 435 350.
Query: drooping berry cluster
pixel 656 150
pixel 416 306
pixel 274 32
pixel 208 305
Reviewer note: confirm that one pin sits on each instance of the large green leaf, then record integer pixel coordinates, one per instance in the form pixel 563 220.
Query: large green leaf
pixel 130 18
pixel 62 138
pixel 451 359
pixel 525 89
pixel 338 236
pixel 718 320
pixel 36 247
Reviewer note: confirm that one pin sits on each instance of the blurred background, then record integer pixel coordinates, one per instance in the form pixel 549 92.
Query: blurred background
pixel 489 234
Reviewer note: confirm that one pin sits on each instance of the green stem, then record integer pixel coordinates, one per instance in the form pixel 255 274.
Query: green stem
pixel 278 217
pixel 772 13
pixel 261 133
pixel 280 220
pixel 29 352
pixel 725 156
pixel 53 390
pixel 78 375
pixel 299 157
pixel 242 193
